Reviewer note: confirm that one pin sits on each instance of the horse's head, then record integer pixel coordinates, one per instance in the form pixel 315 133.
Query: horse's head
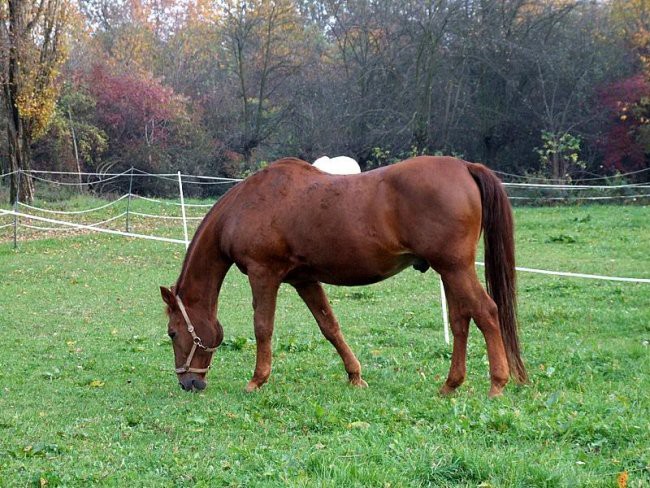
pixel 195 335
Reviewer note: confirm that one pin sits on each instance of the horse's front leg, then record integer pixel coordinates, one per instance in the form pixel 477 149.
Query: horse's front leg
pixel 265 292
pixel 314 297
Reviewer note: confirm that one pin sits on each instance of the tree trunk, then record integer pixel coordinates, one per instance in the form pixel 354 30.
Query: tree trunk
pixel 558 168
pixel 31 52
pixel 19 160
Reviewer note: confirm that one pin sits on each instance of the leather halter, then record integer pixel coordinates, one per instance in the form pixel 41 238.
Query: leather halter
pixel 196 343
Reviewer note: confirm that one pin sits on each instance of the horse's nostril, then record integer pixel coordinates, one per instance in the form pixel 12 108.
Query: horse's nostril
pixel 199 384
pixel 171 335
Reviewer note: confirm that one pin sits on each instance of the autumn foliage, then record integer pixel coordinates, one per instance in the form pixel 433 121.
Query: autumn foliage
pixel 132 106
pixel 623 144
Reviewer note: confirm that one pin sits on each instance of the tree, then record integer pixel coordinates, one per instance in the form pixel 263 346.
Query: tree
pixel 632 17
pixel 227 83
pixel 266 48
pixel 73 141
pixel 626 142
pixel 560 152
pixel 32 50
pixel 136 111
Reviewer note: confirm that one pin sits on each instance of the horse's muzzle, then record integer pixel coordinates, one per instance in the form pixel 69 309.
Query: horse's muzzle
pixel 192 383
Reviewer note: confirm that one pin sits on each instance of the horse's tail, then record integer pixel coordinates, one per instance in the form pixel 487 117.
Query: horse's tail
pixel 499 244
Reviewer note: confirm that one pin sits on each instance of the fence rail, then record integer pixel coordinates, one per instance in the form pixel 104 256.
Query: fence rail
pixel 180 179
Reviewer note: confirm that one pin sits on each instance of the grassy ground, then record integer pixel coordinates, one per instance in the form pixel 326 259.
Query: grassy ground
pixel 88 396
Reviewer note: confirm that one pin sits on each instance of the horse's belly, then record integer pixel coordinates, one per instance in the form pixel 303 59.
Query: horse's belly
pixel 352 272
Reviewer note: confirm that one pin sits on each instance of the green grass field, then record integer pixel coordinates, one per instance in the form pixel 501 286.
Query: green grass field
pixel 88 395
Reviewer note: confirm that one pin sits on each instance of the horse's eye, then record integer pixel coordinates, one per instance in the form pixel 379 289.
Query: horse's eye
pixel 171 334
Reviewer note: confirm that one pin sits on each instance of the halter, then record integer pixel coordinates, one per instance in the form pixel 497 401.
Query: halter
pixel 197 342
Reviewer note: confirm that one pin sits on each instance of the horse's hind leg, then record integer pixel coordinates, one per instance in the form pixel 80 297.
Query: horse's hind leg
pixel 469 299
pixel 459 317
pixel 314 297
pixel 265 291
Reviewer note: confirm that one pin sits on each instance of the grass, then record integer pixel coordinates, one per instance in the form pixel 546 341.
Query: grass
pixel 88 396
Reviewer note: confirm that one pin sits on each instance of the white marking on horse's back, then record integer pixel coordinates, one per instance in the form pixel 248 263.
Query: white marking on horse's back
pixel 340 165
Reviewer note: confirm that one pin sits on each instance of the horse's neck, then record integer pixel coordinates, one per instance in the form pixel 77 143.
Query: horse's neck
pixel 202 272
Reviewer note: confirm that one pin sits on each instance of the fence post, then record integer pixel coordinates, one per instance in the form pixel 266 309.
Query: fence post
pixel 445 314
pixel 180 187
pixel 20 171
pixel 128 203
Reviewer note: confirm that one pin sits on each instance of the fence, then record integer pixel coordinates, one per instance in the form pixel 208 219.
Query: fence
pixel 639 191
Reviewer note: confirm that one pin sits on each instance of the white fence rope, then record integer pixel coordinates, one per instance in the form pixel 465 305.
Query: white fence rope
pixel 6 225
pixel 220 181
pixel 67 183
pixel 573 199
pixel 140 172
pixel 74 212
pixel 170 175
pixel 134 195
pixel 125 173
pixel 577 275
pixel 74 173
pixel 8 174
pixel 166 217
pixel 163 202
pixel 59 229
pixel 549 186
pixel 215 178
pixel 196 205
pixel 89 227
pixel 224 180
pixel 595 178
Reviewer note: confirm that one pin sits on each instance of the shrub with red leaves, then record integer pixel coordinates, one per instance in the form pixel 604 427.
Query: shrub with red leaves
pixel 629 103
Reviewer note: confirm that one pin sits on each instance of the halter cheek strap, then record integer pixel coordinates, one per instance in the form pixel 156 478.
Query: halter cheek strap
pixel 196 343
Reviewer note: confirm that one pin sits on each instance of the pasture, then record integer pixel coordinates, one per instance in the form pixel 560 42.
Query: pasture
pixel 88 395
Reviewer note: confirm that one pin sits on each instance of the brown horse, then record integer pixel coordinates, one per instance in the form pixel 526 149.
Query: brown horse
pixel 292 223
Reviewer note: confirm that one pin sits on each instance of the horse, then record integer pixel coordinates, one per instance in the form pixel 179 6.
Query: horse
pixel 340 165
pixel 292 223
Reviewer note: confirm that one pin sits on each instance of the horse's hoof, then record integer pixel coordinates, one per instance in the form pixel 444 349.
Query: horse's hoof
pixel 446 390
pixel 251 387
pixel 358 382
pixel 495 392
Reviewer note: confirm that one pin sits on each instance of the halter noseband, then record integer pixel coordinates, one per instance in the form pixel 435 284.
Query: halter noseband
pixel 197 343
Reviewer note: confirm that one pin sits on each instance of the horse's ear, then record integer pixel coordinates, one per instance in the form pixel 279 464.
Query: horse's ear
pixel 168 296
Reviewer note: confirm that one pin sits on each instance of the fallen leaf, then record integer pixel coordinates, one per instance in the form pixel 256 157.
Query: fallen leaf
pixel 622 479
